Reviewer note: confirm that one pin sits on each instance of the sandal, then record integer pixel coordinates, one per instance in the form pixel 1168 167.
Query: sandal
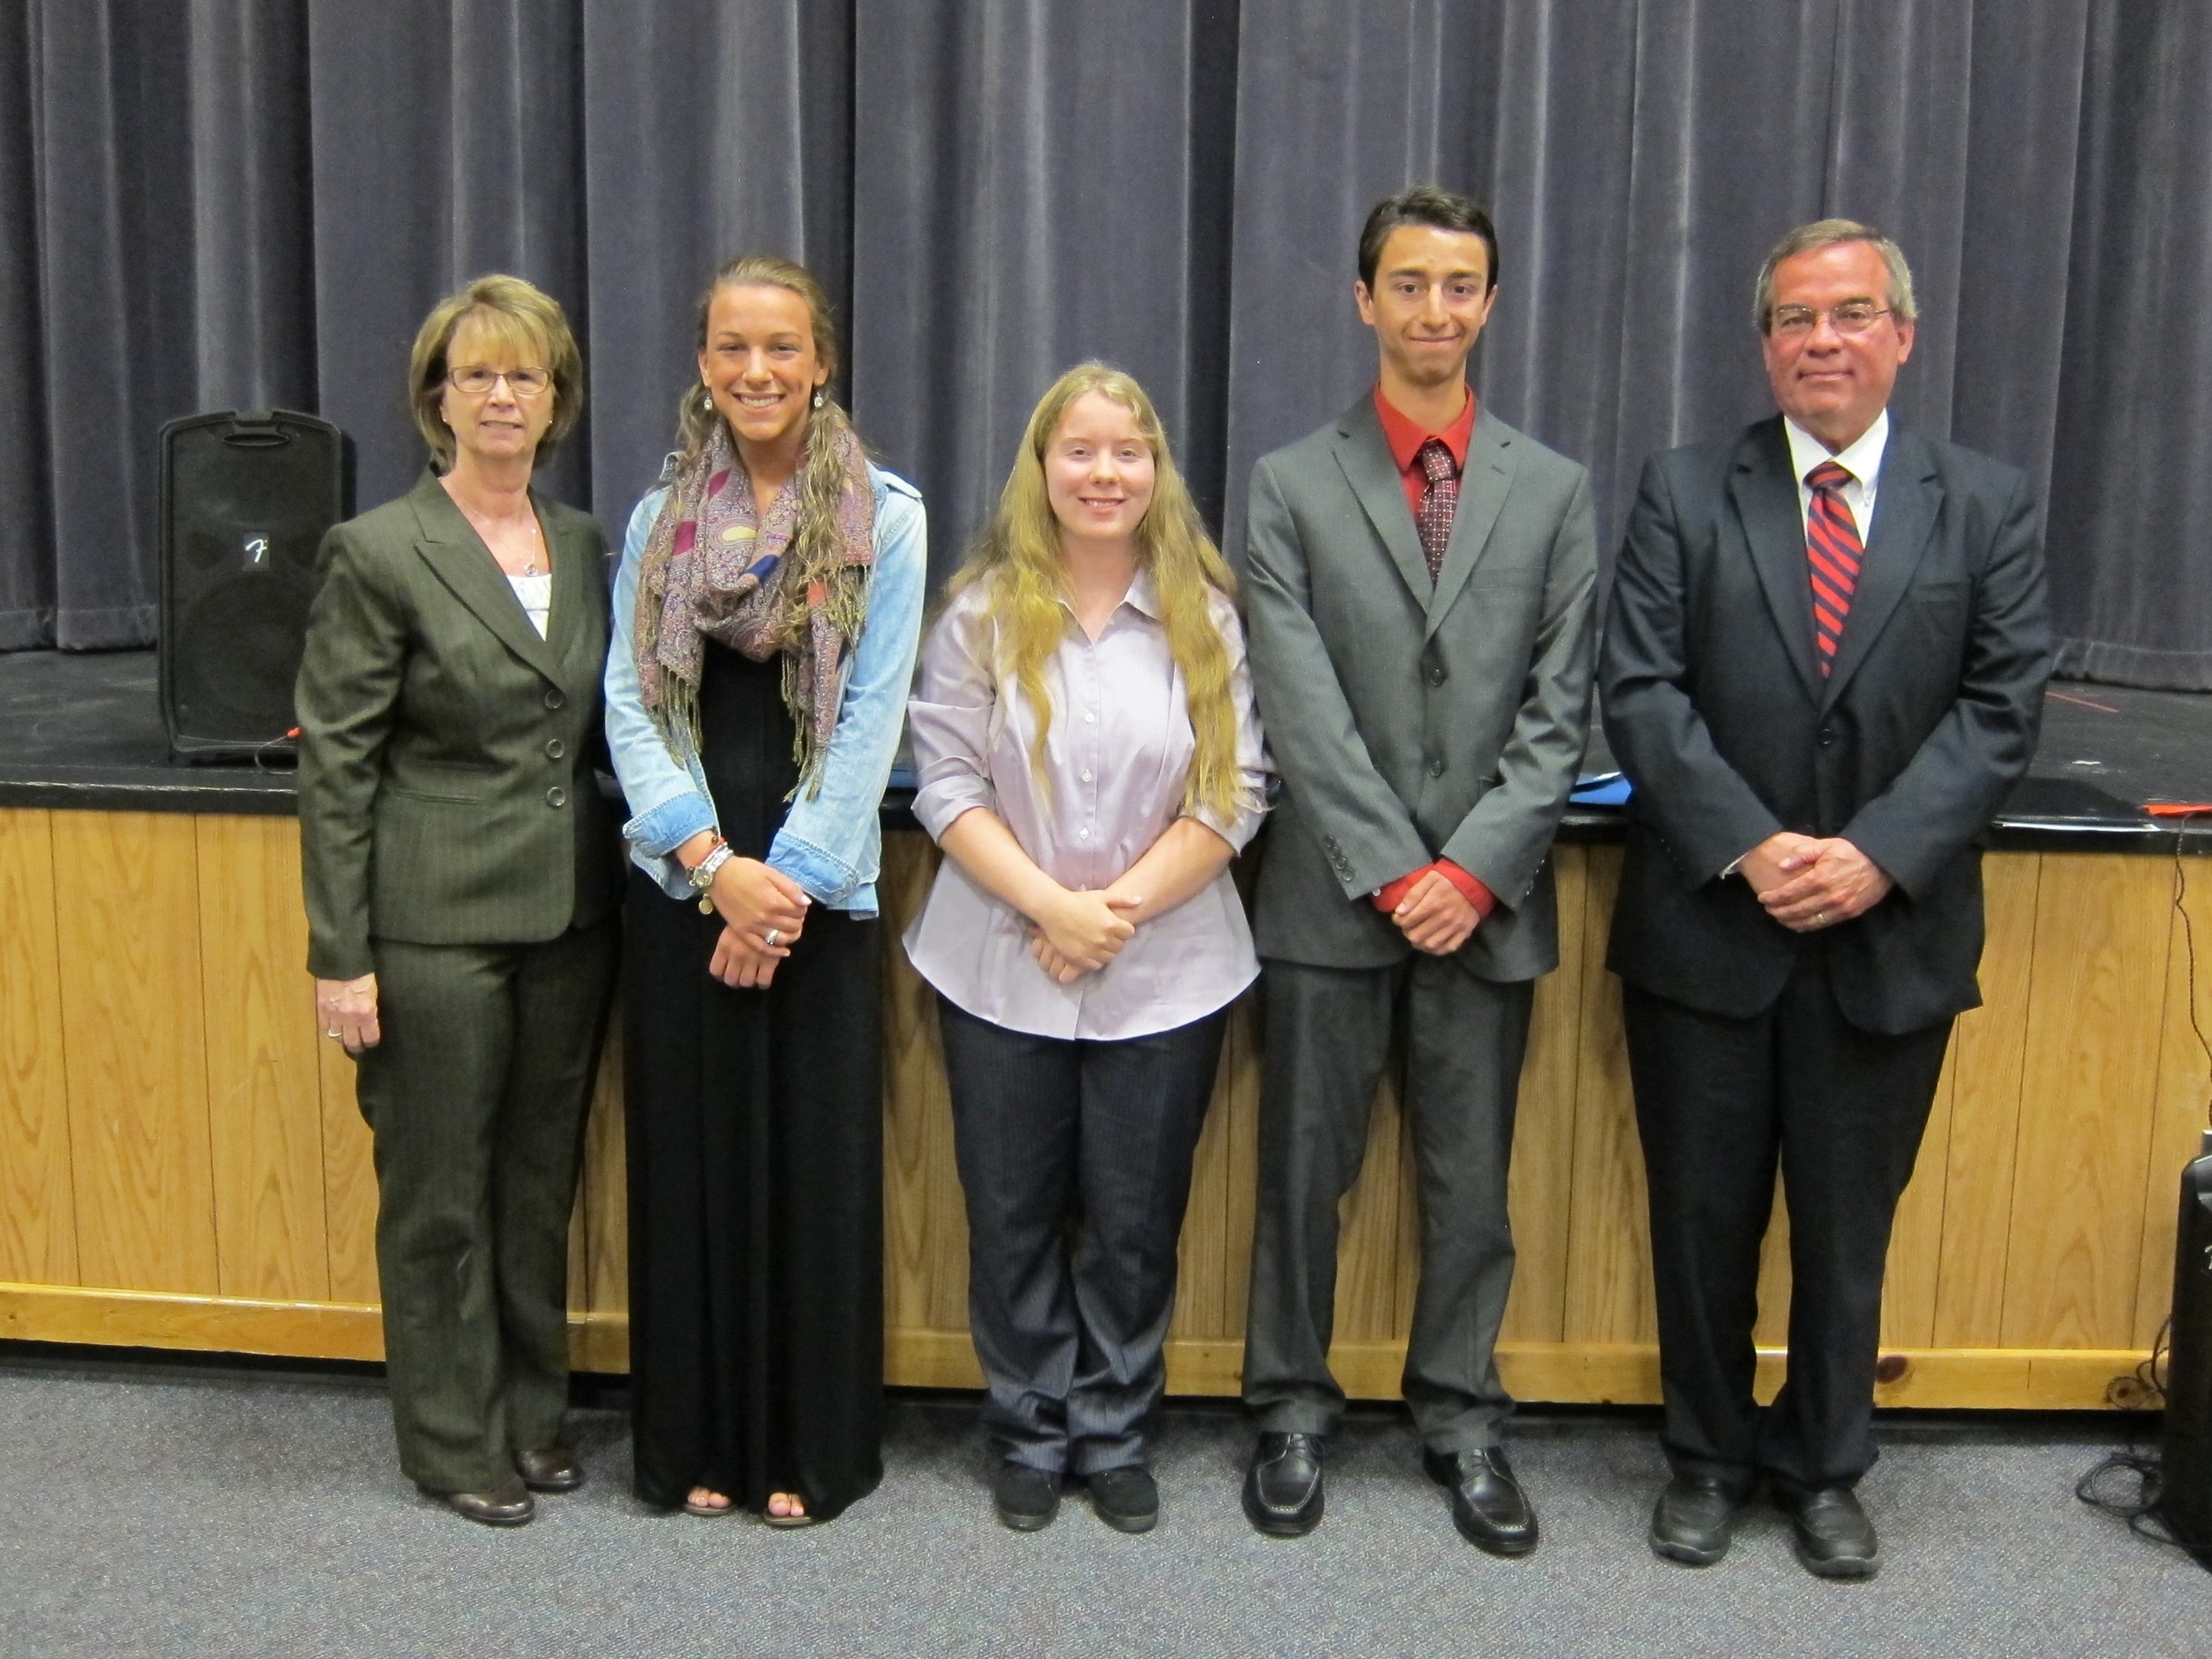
pixel 710 1511
pixel 805 1518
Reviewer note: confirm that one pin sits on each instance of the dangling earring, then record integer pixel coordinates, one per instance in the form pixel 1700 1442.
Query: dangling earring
pixel 818 397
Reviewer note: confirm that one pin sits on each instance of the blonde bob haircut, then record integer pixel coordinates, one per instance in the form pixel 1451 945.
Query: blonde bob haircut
pixel 518 315
pixel 1019 562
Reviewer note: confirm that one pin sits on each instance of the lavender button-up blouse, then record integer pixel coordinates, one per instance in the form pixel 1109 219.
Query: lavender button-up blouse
pixel 1117 755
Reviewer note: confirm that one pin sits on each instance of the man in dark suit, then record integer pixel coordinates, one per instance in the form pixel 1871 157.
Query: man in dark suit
pixel 1823 670
pixel 1419 577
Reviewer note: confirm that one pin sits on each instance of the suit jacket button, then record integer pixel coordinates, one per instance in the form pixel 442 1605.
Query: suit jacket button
pixel 1827 736
pixel 1436 767
pixel 556 697
pixel 556 796
pixel 1438 673
pixel 554 749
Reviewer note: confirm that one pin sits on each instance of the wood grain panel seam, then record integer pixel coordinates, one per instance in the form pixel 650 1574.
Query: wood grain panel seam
pixel 2027 1002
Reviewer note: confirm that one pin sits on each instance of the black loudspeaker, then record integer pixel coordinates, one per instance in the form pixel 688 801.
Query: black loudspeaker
pixel 245 499
pixel 2185 1500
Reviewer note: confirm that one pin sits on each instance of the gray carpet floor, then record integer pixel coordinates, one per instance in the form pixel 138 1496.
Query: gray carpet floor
pixel 153 1510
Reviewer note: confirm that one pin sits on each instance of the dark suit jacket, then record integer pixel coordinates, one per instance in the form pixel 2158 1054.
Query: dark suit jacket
pixel 1411 720
pixel 1718 713
pixel 445 788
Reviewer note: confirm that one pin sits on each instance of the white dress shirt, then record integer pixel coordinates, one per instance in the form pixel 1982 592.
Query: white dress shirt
pixel 1117 755
pixel 1862 457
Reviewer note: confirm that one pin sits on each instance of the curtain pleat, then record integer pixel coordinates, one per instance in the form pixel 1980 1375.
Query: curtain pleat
pixel 243 204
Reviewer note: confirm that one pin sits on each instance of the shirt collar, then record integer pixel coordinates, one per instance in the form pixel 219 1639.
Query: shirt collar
pixel 1405 437
pixel 1862 457
pixel 1143 596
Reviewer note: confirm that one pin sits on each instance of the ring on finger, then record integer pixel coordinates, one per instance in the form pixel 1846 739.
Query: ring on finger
pixel 1820 918
pixel 332 1035
pixel 774 933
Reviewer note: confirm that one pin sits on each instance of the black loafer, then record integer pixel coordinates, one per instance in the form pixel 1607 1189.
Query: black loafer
pixel 1127 1499
pixel 1026 1499
pixel 1695 1518
pixel 507 1505
pixel 554 1469
pixel 1834 1539
pixel 1488 1506
pixel 1282 1485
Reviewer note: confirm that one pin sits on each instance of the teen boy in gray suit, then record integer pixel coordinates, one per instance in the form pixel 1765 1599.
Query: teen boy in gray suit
pixel 1420 579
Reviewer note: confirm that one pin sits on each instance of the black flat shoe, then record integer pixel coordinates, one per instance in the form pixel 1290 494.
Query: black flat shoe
pixel 1695 1518
pixel 507 1505
pixel 1488 1506
pixel 1127 1498
pixel 554 1469
pixel 1834 1539
pixel 1026 1499
pixel 1282 1484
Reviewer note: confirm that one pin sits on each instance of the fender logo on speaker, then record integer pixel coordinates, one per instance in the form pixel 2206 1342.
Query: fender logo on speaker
pixel 257 550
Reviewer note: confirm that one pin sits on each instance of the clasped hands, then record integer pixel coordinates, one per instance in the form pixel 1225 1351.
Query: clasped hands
pixel 1079 932
pixel 1807 884
pixel 1435 917
pixel 763 911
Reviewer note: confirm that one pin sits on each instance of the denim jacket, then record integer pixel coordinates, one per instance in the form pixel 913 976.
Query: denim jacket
pixel 830 844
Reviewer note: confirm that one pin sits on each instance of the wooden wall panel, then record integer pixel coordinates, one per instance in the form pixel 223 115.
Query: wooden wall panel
pixel 134 1035
pixel 1988 1050
pixel 2095 1008
pixel 2183 1110
pixel 263 1085
pixel 1608 1275
pixel 349 1179
pixel 38 1223
pixel 1543 1180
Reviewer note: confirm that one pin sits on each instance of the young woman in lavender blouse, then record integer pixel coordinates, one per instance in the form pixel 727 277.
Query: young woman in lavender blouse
pixel 1090 762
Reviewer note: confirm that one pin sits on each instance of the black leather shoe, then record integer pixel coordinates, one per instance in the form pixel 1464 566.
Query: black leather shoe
pixel 1127 1499
pixel 507 1505
pixel 554 1469
pixel 1834 1539
pixel 1282 1485
pixel 1026 1499
pixel 1488 1506
pixel 1694 1519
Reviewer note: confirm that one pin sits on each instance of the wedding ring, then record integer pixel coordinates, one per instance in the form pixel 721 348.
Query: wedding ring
pixel 774 933
pixel 331 1035
pixel 1820 918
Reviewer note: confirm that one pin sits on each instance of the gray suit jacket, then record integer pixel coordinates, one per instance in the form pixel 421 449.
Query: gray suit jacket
pixel 1412 721
pixel 446 785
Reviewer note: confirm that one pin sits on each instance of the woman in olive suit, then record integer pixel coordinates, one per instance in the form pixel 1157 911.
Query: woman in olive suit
pixel 461 886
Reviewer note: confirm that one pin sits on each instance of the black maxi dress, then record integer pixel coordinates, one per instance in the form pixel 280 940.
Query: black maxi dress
pixel 755 1165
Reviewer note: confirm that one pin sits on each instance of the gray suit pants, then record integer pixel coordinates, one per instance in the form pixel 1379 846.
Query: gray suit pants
pixel 1328 1033
pixel 476 1097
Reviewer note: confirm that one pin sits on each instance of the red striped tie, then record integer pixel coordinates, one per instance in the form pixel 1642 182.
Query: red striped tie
pixel 1832 551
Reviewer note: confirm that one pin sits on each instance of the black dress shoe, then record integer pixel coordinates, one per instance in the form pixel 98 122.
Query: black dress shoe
pixel 507 1505
pixel 1127 1499
pixel 1488 1506
pixel 1834 1539
pixel 554 1469
pixel 1026 1499
pixel 1282 1485
pixel 1694 1519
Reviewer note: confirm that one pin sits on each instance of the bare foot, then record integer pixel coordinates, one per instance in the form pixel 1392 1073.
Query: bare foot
pixel 706 1498
pixel 786 1506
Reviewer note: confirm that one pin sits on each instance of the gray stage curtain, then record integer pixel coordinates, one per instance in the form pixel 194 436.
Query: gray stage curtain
pixel 235 202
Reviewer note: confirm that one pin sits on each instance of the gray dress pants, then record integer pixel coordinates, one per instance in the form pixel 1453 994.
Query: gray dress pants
pixel 476 1096
pixel 1075 1157
pixel 1328 1033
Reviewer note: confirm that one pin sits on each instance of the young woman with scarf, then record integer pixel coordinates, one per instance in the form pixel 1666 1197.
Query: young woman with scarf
pixel 765 615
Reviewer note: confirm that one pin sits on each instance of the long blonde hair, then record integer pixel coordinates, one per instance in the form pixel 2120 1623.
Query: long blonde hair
pixel 1019 561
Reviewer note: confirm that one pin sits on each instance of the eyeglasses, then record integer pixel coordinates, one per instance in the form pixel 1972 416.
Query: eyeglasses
pixel 477 379
pixel 1852 317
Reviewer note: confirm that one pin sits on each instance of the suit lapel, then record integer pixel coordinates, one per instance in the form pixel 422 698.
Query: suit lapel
pixel 576 582
pixel 1765 493
pixel 1364 455
pixel 1483 484
pixel 465 565
pixel 1905 508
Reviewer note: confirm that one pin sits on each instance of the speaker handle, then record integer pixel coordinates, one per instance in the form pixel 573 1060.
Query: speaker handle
pixel 255 429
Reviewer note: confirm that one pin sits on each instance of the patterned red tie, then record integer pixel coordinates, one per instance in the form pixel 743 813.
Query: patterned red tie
pixel 1438 501
pixel 1833 550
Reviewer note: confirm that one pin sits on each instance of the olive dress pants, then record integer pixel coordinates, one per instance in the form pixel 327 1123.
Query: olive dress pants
pixel 477 1096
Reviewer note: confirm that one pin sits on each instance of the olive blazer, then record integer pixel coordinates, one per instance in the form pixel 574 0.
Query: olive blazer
pixel 446 794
